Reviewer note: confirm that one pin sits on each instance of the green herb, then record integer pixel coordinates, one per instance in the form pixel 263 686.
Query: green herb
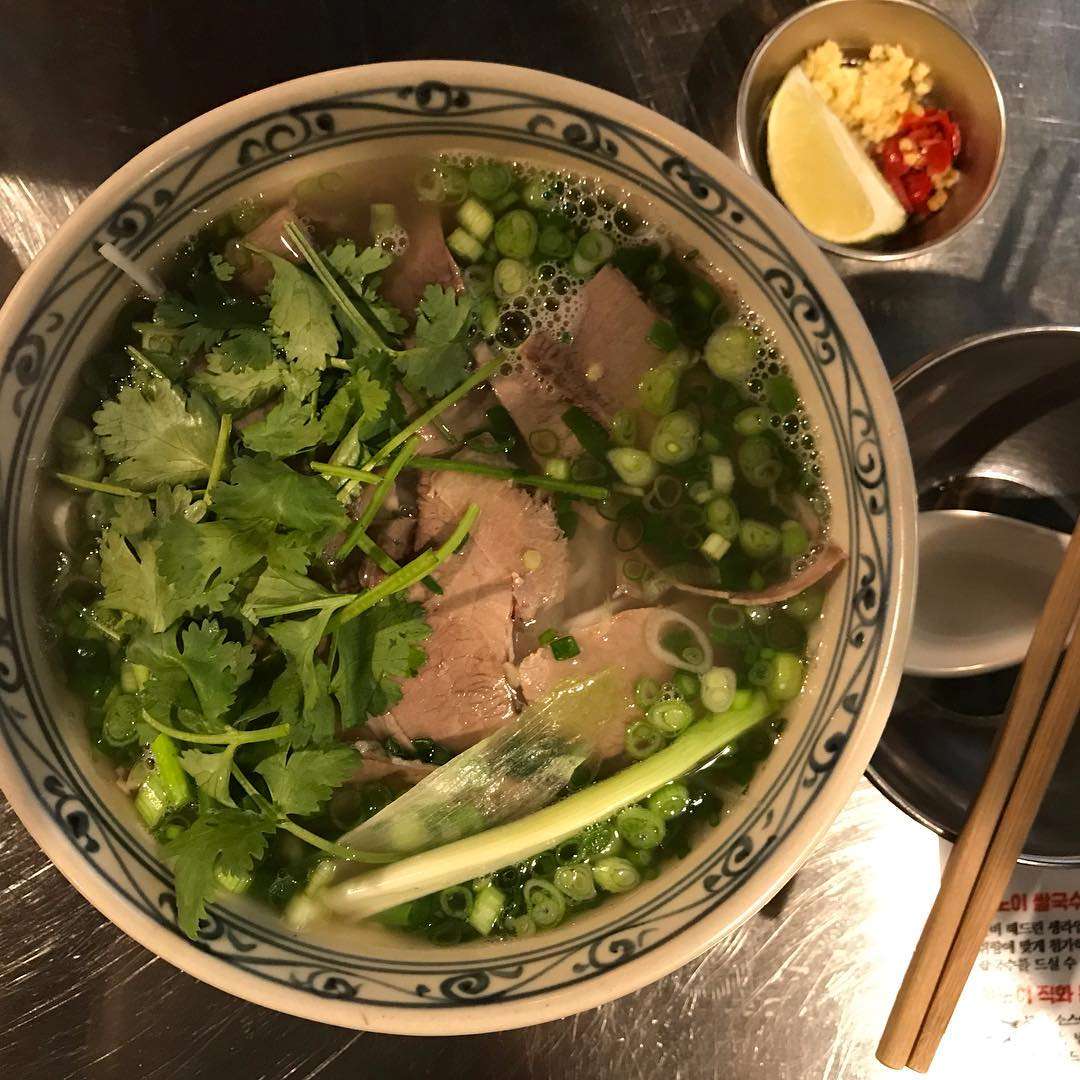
pixel 440 359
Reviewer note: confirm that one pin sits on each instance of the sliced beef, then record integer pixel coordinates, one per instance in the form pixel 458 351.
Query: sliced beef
pixel 514 562
pixel 617 642
pixel 599 371
pixel 426 260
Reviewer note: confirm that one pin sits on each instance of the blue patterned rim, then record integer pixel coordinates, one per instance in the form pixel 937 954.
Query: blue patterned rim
pixel 874 499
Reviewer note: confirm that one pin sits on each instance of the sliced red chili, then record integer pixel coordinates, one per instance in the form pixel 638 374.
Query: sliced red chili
pixel 918 187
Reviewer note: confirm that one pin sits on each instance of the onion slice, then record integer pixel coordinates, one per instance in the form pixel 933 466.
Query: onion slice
pixel 658 621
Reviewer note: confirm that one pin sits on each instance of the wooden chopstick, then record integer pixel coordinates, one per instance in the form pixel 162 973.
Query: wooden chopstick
pixel 1042 757
pixel 962 870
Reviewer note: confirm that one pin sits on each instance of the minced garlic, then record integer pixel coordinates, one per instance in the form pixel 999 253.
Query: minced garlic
pixel 870 97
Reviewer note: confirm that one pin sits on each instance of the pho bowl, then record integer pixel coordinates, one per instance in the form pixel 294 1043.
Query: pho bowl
pixel 367 976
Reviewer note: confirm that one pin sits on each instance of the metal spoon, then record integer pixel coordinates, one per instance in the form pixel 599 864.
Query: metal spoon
pixel 983 579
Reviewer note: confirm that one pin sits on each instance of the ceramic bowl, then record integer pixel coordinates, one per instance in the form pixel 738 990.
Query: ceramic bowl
pixel 367 977
pixel 964 83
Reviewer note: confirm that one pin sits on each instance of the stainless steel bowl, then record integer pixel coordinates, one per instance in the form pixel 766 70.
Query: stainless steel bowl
pixel 993 424
pixel 963 83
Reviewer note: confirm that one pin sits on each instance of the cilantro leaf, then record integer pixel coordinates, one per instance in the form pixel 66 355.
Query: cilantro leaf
pixel 440 359
pixel 303 698
pixel 193 680
pixel 248 348
pixel 242 388
pixel 134 583
pixel 205 560
pixel 157 437
pixel 230 841
pixel 300 781
pixel 363 271
pixel 277 586
pixel 372 652
pixel 211 772
pixel 200 320
pixel 265 492
pixel 300 315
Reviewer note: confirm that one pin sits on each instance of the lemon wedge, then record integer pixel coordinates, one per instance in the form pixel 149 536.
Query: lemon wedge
pixel 821 172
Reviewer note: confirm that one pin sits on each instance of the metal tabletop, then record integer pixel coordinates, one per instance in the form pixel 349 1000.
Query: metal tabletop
pixel 802 990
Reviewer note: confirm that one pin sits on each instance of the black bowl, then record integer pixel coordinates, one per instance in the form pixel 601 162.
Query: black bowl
pixel 993 424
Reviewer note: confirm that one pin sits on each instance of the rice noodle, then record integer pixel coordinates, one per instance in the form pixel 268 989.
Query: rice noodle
pixel 145 279
pixel 654 628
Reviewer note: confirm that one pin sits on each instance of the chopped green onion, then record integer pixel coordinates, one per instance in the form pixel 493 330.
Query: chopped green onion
pixel 511 278
pixel 646 692
pixel 545 903
pixel 548 636
pixel 555 243
pixel 663 335
pixel 806 606
pixel 731 352
pixel 476 219
pixel 174 781
pixel 666 491
pixel 456 901
pixel 633 466
pixel 516 234
pixel 700 491
pixel 591 434
pixel 521 926
pixel 687 684
pixel 752 421
pixel 478 280
pixel 489 181
pixel 537 193
pixel 659 388
pixel 576 882
pixel 781 394
pixel 718 686
pixel 671 800
pixel 784 676
pixel 676 437
pixel 465 246
pixel 544 442
pixel 758 539
pixel 670 717
pixel 624 428
pixel 150 801
pixel 794 539
pixel 640 828
pixel 642 740
pixel 487 907
pixel 722 516
pixel 758 461
pixel 565 648
pixel 721 474
pixel 715 546
pixel 592 250
pixel 615 875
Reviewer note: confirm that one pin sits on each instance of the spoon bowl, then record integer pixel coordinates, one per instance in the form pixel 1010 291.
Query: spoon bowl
pixel 983 579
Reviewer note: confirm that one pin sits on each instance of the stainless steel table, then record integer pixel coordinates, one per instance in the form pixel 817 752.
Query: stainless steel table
pixel 802 990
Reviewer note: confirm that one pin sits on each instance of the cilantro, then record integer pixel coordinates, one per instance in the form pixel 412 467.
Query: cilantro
pixel 211 772
pixel 304 694
pixel 300 781
pixel 228 841
pixel 300 315
pixel 156 436
pixel 268 493
pixel 277 587
pixel 193 680
pixel 239 389
pixel 357 266
pixel 221 268
pixel 289 428
pixel 201 320
pixel 440 359
pixel 372 652
pixel 134 583
pixel 205 560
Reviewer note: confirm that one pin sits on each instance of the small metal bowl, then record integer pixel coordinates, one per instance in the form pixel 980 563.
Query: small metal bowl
pixel 963 84
pixel 993 424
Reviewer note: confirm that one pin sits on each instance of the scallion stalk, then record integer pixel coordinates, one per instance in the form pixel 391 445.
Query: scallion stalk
pixel 369 893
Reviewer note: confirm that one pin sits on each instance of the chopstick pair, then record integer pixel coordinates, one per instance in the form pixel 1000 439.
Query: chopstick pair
pixel 1037 724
